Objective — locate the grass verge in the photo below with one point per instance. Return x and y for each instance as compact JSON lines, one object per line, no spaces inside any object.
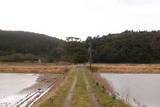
{"x":80,"y":98}
{"x":104,"y":99}
{"x":58,"y":99}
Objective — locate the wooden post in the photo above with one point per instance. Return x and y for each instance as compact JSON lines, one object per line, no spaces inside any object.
{"x":90,"y":55}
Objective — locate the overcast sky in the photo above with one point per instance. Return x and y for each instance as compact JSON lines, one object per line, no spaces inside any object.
{"x":80,"y":18}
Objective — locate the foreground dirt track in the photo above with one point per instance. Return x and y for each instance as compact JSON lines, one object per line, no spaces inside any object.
{"x":38,"y":68}
{"x":128,"y":68}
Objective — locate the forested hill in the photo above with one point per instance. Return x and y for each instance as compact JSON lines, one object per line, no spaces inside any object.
{"x":125,"y":47}
{"x":128,"y":46}
{"x":19,"y":46}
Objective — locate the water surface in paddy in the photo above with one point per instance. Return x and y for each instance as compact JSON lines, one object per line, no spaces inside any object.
{"x":11,"y":84}
{"x":14,"y":82}
{"x":140,"y":90}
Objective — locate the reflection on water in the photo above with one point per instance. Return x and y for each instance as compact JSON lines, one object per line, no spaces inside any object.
{"x":137,"y":89}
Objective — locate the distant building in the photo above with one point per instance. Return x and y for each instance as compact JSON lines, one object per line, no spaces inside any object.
{"x":72,"y":39}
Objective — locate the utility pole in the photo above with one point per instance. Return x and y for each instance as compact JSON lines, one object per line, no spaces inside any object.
{"x":90,"y":55}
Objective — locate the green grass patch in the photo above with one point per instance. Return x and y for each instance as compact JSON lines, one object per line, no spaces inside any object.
{"x":58,"y":99}
{"x":102,"y":97}
{"x":81,"y":97}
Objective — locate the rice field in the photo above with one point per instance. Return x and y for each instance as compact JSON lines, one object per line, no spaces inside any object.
{"x":127,"y":68}
{"x":33,"y":67}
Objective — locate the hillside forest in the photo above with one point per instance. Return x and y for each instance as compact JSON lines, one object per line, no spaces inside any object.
{"x":125,"y":47}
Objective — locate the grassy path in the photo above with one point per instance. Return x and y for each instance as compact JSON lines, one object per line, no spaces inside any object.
{"x":81,"y":90}
{"x":68,"y":100}
{"x":81,"y":96}
{"x":92,"y":97}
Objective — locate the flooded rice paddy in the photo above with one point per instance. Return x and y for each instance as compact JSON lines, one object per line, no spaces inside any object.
{"x":139,"y":90}
{"x":21,"y":89}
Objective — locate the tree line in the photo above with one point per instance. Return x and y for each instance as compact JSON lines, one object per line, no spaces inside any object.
{"x":125,"y":47}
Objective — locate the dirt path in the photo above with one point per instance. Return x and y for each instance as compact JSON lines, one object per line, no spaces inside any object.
{"x":68,"y":100}
{"x":92,"y":97}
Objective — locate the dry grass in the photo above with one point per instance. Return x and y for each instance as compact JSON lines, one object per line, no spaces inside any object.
{"x":128,"y":68}
{"x":33,"y":67}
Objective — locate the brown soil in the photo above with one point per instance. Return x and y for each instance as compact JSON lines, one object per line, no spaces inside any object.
{"x":44,"y":80}
{"x":51,"y":92}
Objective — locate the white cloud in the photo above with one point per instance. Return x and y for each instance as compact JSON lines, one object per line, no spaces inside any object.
{"x":81,"y":18}
{"x":140,"y":2}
